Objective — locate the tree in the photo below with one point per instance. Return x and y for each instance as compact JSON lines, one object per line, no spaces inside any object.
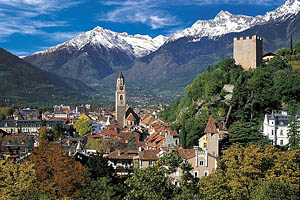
{"x":98,"y":167}
{"x":7,"y":111}
{"x":245,"y":133}
{"x":149,"y":183}
{"x":188,"y":185}
{"x":101,"y":188}
{"x":132,"y":143}
{"x":243,"y":170}
{"x":294,"y":134}
{"x":154,"y":182}
{"x":17,"y":180}
{"x":94,"y":144}
{"x":2,"y":116}
{"x":43,"y":136}
{"x":272,"y":189}
{"x":291,"y":46}
{"x":59,"y":175}
{"x":83,"y":126}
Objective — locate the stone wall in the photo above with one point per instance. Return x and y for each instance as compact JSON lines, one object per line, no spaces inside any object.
{"x":247,"y":52}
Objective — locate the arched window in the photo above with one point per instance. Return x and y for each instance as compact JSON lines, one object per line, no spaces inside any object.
{"x":121,"y":97}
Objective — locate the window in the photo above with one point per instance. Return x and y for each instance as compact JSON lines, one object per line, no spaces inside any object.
{"x":206,"y":173}
{"x":141,"y":164}
{"x":204,"y":145}
{"x":150,"y":162}
{"x":201,"y":163}
{"x":196,"y":174}
{"x":272,"y":132}
{"x":281,"y":142}
{"x":121,"y":97}
{"x":281,"y":132}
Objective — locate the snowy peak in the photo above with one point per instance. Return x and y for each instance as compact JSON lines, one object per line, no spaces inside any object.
{"x":137,"y":45}
{"x":291,"y":7}
{"x":225,"y":22}
{"x":223,"y":15}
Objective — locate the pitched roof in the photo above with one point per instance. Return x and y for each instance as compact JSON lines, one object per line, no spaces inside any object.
{"x":123,"y":154}
{"x":149,"y":154}
{"x":17,"y":140}
{"x":186,"y":153}
{"x":211,"y":126}
{"x":130,"y":117}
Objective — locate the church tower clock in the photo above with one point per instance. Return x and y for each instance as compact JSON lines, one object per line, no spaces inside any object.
{"x":120,"y":100}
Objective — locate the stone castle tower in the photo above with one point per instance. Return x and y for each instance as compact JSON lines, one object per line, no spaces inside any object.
{"x":247,"y":52}
{"x":120,"y":100}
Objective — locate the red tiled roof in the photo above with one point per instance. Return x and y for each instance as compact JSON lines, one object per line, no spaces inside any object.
{"x":149,"y":154}
{"x":186,"y":153}
{"x":123,"y":154}
{"x":211,"y":126}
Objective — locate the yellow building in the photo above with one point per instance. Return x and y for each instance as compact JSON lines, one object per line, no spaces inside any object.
{"x":203,"y":142}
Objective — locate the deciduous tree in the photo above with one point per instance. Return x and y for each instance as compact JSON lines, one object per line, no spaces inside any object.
{"x":17,"y":180}
{"x":83,"y":126}
{"x":58,"y":175}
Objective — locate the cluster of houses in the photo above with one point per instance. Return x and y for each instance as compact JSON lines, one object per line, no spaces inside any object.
{"x":127,"y":137}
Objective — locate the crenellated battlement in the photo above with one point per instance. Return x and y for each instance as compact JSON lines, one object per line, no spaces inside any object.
{"x":253,"y":37}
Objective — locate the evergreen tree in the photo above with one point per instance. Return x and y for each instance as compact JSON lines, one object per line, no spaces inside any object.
{"x":291,"y":46}
{"x":294,"y":134}
{"x":245,"y":133}
{"x":98,"y":167}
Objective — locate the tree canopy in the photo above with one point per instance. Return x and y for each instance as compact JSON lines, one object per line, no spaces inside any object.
{"x":83,"y":126}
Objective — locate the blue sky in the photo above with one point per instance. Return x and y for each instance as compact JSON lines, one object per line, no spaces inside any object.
{"x":27,"y":26}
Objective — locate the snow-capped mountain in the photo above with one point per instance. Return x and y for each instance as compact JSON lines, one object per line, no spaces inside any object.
{"x":99,"y":54}
{"x":226,"y":22}
{"x":137,"y":45}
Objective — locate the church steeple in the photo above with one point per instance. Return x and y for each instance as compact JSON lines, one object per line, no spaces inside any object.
{"x":120,"y":99}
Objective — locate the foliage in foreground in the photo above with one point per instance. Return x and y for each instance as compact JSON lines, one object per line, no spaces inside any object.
{"x":254,"y":172}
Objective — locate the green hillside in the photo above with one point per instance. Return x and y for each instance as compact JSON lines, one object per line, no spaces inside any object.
{"x":274,"y":86}
{"x":23,"y":82}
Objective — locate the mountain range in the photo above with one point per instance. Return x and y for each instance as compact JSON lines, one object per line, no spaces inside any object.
{"x":22,"y":82}
{"x":161,"y":63}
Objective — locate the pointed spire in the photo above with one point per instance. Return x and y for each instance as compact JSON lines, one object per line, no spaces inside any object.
{"x":272,"y":115}
{"x":211,"y":126}
{"x":121,"y":75}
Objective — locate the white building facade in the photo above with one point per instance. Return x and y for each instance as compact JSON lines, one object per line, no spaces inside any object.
{"x":275,"y":128}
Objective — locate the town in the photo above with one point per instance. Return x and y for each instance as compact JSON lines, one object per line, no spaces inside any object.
{"x":128,"y":137}
{"x":208,"y":112}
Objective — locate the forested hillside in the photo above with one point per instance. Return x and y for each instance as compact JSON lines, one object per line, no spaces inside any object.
{"x":272,"y":86}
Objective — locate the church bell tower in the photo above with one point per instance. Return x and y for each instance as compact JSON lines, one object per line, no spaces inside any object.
{"x":120,"y":100}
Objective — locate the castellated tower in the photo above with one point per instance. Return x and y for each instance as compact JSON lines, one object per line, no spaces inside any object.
{"x":120,"y":100}
{"x":247,"y":52}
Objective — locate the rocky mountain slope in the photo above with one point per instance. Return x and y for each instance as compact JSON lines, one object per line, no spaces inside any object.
{"x":95,"y":54}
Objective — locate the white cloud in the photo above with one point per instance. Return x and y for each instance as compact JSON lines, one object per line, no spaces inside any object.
{"x":154,"y":13}
{"x":22,"y":16}
{"x":143,"y":11}
{"x":62,"y":36}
